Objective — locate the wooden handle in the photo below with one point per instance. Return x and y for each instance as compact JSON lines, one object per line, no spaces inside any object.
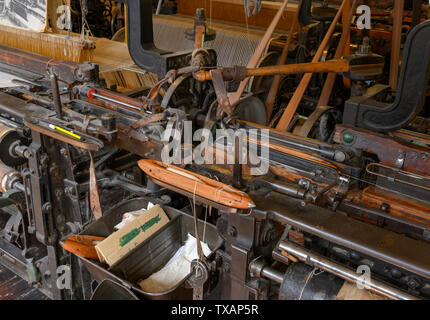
{"x":314,"y":67}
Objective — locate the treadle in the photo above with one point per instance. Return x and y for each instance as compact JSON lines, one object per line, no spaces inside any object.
{"x":393,"y":248}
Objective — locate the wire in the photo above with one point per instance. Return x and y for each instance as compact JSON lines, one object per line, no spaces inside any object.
{"x":204,"y":226}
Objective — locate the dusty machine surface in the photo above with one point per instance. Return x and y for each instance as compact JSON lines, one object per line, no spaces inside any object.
{"x":307,"y":172}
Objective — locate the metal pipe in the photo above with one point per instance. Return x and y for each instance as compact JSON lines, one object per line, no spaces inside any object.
{"x":258,"y":268}
{"x":343,"y":272}
{"x":116,"y":101}
{"x":272,"y":274}
{"x":289,"y":189}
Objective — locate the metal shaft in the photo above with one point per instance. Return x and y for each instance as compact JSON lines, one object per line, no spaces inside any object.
{"x":272,"y":274}
{"x":342,"y":272}
{"x":56,"y":96}
{"x":116,"y":101}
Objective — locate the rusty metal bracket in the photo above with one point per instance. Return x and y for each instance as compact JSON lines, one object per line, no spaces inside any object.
{"x":198,"y":278}
{"x":221,"y":92}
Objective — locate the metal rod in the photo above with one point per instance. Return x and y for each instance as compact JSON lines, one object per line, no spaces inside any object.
{"x":56,"y":96}
{"x":258,"y":268}
{"x":116,"y":101}
{"x":272,"y":274}
{"x":343,"y":272}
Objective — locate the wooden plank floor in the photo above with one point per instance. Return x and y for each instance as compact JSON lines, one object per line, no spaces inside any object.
{"x":13,"y":287}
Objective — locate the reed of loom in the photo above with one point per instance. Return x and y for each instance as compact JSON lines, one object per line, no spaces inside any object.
{"x":59,"y":46}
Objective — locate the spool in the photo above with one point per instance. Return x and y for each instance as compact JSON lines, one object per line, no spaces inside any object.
{"x":8,"y":177}
{"x":8,"y":138}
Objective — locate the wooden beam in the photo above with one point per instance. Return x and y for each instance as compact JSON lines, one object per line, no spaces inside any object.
{"x":233,"y":11}
{"x":396,"y":42}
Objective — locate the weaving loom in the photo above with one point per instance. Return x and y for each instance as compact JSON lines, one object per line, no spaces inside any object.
{"x":234,"y":44}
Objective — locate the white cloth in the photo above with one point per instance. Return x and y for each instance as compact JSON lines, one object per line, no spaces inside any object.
{"x":176,"y":269}
{"x":130,"y":216}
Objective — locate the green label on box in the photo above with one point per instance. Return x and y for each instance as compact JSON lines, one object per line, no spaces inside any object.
{"x":135,"y":232}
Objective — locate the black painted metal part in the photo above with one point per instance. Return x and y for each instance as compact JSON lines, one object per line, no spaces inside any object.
{"x":369,"y":114}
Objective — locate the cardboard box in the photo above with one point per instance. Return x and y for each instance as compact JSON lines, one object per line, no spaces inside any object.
{"x":126,"y":239}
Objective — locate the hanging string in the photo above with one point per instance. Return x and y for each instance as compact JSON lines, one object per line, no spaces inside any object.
{"x":204,"y":226}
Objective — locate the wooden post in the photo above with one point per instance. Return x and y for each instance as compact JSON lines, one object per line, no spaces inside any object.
{"x":397,"y":38}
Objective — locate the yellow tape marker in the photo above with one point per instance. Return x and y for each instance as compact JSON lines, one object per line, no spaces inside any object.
{"x":66,"y":132}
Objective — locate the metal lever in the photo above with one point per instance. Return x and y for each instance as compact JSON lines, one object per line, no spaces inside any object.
{"x":56,"y":96}
{"x":198,"y":278}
